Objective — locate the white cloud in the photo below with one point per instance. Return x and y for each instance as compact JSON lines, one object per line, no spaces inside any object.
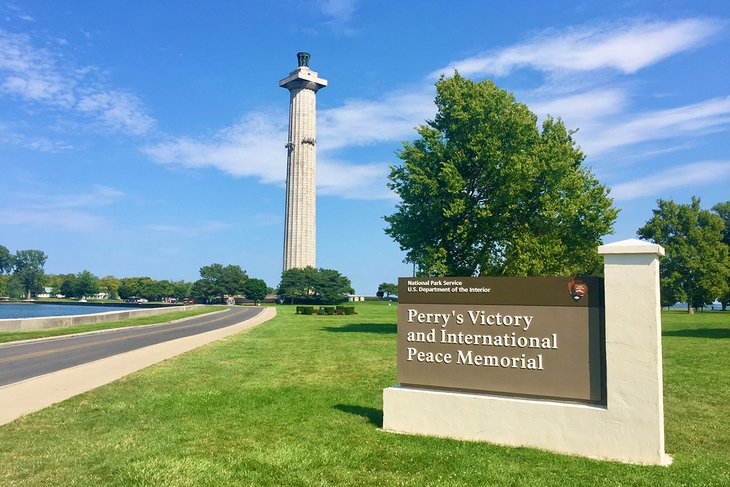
{"x":685,"y":121}
{"x":117,"y":110}
{"x":71,"y":211}
{"x":97,"y":196}
{"x":626,"y":47}
{"x":707,"y":172}
{"x":37,"y":143}
{"x":581,"y":108}
{"x":602,"y":111}
{"x":11,"y":12}
{"x":357,"y":182}
{"x":73,"y":220}
{"x":190,"y":229}
{"x":340,"y":10}
{"x":42,"y":76}
{"x":31,"y":73}
{"x":338,"y":15}
{"x":253,"y":147}
{"x":362,"y":122}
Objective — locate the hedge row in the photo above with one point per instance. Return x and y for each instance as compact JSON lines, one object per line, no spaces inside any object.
{"x":326,"y":310}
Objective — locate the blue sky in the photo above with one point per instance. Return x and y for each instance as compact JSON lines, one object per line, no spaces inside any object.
{"x":147,"y":138}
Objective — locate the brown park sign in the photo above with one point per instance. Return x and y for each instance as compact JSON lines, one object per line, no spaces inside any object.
{"x":524,"y":336}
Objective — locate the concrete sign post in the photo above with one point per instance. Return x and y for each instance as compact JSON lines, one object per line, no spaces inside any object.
{"x":568,"y":365}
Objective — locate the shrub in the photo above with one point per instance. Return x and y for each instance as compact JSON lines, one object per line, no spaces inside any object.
{"x":307,"y":310}
{"x":346,"y":310}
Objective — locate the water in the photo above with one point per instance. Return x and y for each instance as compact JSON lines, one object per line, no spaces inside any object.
{"x":8,"y":311}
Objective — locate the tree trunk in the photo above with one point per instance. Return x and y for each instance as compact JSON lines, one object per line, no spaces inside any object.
{"x":690,"y":311}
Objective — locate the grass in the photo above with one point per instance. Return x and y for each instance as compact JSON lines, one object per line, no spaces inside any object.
{"x":172,"y":315}
{"x":298,"y":401}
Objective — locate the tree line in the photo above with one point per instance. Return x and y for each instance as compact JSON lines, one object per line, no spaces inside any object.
{"x":22,"y":276}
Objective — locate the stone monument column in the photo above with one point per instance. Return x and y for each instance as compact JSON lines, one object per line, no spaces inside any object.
{"x":300,"y":217}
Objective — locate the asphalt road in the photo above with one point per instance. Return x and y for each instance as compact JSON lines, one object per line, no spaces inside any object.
{"x":20,"y":361}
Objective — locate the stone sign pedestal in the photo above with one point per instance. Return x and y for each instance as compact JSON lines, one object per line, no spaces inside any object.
{"x":628,"y":428}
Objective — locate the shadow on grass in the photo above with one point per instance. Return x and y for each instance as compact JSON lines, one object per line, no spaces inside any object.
{"x":374,"y":416}
{"x":381,"y":328}
{"x":699,"y":333}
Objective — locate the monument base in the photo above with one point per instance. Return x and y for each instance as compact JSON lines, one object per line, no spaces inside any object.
{"x":576,"y":429}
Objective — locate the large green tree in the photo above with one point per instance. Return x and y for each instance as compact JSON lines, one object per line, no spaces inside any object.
{"x":85,"y":284}
{"x":54,"y":282}
{"x":255,"y":289}
{"x":154,"y":290}
{"x":484,"y":191}
{"x":723,"y":211}
{"x":110,"y":285}
{"x":696,"y":267}
{"x":6,"y":266}
{"x":333,"y":287}
{"x":298,"y":284}
{"x":132,"y":287}
{"x":29,"y":270}
{"x":387,"y":289}
{"x":6,"y":260}
{"x":204,"y":290}
{"x":221,"y":280}
{"x":68,"y":286}
{"x":4,"y":285}
{"x":312,"y":285}
{"x":14,"y":287}
{"x":181,"y":289}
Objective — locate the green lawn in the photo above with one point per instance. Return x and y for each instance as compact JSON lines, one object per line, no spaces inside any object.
{"x":298,"y":401}
{"x":172,"y":315}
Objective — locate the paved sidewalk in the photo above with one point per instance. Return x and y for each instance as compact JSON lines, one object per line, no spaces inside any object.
{"x":21,"y":398}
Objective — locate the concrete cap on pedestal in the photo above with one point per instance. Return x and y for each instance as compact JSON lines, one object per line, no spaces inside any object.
{"x":631,"y":246}
{"x":303,"y":73}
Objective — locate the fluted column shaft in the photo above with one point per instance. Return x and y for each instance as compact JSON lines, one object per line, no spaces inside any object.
{"x":300,"y":220}
{"x":300,"y":226}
